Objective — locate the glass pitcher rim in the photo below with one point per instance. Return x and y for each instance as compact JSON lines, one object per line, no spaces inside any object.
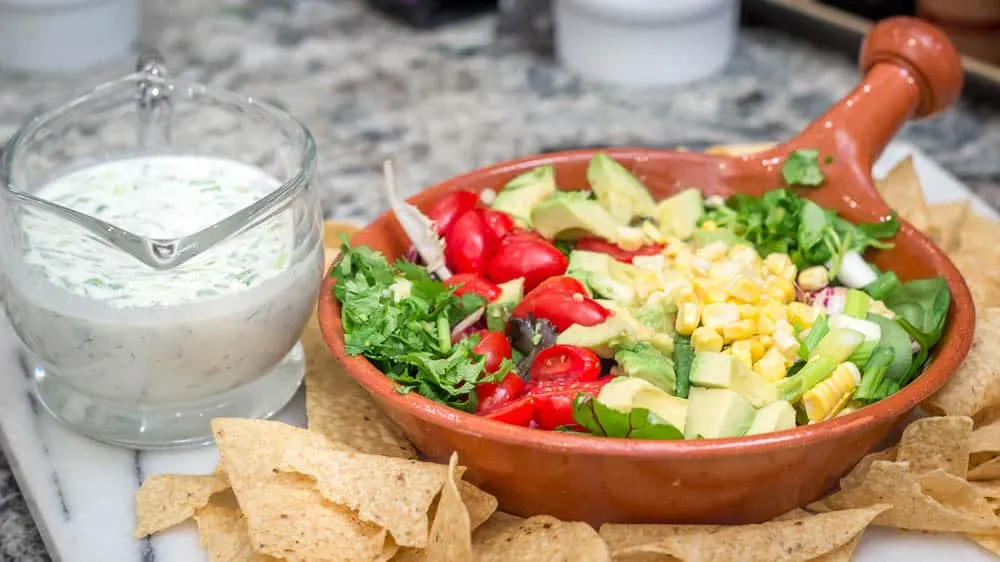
{"x":167,"y":253}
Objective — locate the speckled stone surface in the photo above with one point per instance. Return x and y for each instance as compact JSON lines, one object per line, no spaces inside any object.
{"x":446,"y":101}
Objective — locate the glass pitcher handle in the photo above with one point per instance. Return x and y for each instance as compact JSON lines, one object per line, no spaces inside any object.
{"x":154,"y":107}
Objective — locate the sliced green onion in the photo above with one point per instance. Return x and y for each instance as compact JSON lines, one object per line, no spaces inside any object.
{"x":874,"y":373}
{"x":856,"y":304}
{"x":818,"y":331}
{"x":444,"y":333}
{"x":879,"y":288}
{"x":815,"y":371}
{"x":863,"y":353}
{"x":683,"y":359}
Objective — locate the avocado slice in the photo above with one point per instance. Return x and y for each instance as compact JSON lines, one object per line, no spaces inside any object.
{"x":646,"y":362}
{"x":597,"y":271}
{"x":626,"y":393}
{"x":776,"y":416}
{"x":603,"y":339}
{"x":498,"y":311}
{"x":678,"y":215}
{"x":571,"y":215}
{"x":640,"y":332}
{"x":717,"y":412}
{"x":617,"y":190}
{"x":718,"y":370}
{"x":522,"y":193}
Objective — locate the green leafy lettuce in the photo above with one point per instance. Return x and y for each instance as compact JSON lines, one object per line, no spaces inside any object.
{"x":407,"y":336}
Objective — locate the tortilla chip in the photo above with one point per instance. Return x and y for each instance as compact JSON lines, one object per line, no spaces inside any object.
{"x":165,"y":500}
{"x":983,"y":281}
{"x":341,"y":409}
{"x":395,"y":494}
{"x":976,"y":384}
{"x":989,"y":542}
{"x":931,"y":443}
{"x":985,"y":471}
{"x":223,"y":532}
{"x":451,"y":533}
{"x":540,"y":539}
{"x":946,"y":223}
{"x":902,"y":190}
{"x":860,"y":470}
{"x":498,"y":524}
{"x":739,"y":149}
{"x":987,"y":488}
{"x":285,"y":514}
{"x":792,"y":540}
{"x":480,"y":505}
{"x":933,"y":501}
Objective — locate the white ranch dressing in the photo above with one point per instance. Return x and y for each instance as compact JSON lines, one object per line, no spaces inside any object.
{"x":117,"y":329}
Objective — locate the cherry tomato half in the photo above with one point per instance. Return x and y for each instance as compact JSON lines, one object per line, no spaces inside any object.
{"x":475,"y":284}
{"x":446,"y":210}
{"x":605,"y":247}
{"x":558,"y":284}
{"x":499,"y":222}
{"x":566,"y":362}
{"x":469,"y":244}
{"x":519,"y":412}
{"x":535,"y":260}
{"x":496,"y":395}
{"x":553,"y":400}
{"x":494,"y":346}
{"x":563,"y":310}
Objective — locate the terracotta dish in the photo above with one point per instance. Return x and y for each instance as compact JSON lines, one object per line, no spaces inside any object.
{"x":910,"y":71}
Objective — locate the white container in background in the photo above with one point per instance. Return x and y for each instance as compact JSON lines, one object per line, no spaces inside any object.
{"x":54,"y":36}
{"x":646,"y":42}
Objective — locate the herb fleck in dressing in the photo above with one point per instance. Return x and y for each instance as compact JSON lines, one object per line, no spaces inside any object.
{"x":157,"y":197}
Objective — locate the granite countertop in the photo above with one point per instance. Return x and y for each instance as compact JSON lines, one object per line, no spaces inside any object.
{"x":446,"y":101}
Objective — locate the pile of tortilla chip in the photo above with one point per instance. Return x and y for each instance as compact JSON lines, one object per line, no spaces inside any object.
{"x":349,"y":488}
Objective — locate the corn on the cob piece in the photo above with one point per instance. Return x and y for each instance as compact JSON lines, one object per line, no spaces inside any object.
{"x":828,"y":397}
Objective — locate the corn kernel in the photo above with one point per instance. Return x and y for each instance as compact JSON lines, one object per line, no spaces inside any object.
{"x":780,"y":289}
{"x":786,"y":342}
{"x":814,"y":278}
{"x":714,"y":251}
{"x":757,"y":348}
{"x":687,"y":318}
{"x":773,"y":309}
{"x":801,"y":315}
{"x":771,"y":366}
{"x":765,"y":325}
{"x":789,"y":273}
{"x":718,"y":315}
{"x":672,"y":246}
{"x":706,"y":339}
{"x":745,"y":290}
{"x":709,"y":292}
{"x":629,"y":238}
{"x":700,"y":266}
{"x":740,"y":351}
{"x":821,"y":401}
{"x":653,"y":233}
{"x":683,"y":260}
{"x":709,"y":226}
{"x":776,"y":263}
{"x":745,"y":255}
{"x":685,"y":293}
{"x":739,"y":330}
{"x":766,"y":341}
{"x":749,"y":312}
{"x":724,"y":271}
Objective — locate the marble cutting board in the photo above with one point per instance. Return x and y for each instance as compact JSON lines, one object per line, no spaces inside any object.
{"x":81,"y":493}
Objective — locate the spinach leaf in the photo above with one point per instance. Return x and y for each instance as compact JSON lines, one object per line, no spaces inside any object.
{"x":638,"y":423}
{"x":802,"y":168}
{"x":923,"y":304}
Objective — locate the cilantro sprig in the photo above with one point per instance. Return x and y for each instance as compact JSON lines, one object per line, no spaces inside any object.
{"x":802,"y":168}
{"x":406,"y":334}
{"x":780,"y":221}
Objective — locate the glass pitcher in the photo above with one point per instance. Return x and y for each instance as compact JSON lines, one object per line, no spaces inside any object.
{"x":161,"y":253}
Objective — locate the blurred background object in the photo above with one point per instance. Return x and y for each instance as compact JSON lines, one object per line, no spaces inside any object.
{"x":645,"y":42}
{"x":874,"y":9}
{"x":55,"y":36}
{"x":425,"y":14}
{"x":973,"y":25}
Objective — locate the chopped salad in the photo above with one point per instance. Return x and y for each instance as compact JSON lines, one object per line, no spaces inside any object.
{"x":604,"y":312}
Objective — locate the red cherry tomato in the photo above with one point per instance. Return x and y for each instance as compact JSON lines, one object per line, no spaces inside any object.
{"x":566,"y":362}
{"x":496,"y":395}
{"x":553,"y":400}
{"x":499,"y":222}
{"x":475,"y":284}
{"x":535,"y":260}
{"x":558,"y":284}
{"x":494,"y":346}
{"x":446,"y":210}
{"x":519,"y":412}
{"x":469,"y":244}
{"x":605,"y":247}
{"x":563,"y":310}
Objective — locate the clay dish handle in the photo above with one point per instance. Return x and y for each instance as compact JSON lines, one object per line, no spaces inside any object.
{"x":910,"y":71}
